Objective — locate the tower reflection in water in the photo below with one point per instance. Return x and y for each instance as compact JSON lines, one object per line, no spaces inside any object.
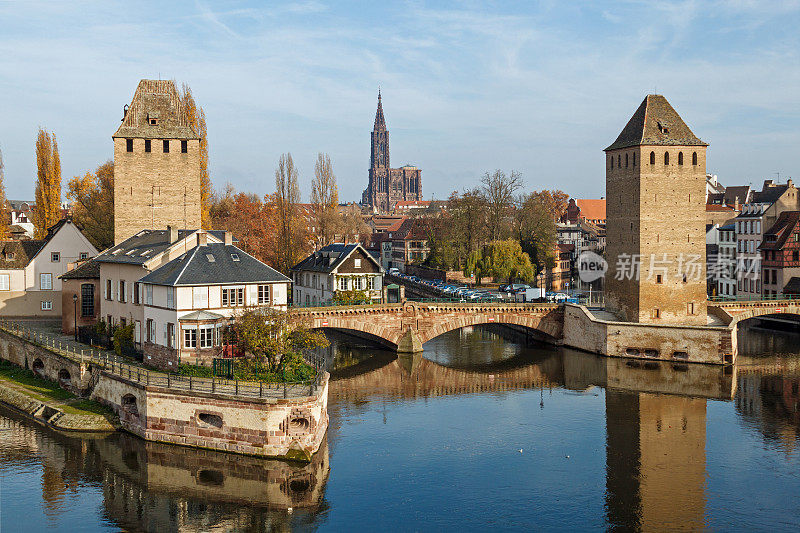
{"x":655,"y":412}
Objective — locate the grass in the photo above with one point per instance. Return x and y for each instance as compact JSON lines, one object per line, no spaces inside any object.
{"x":48,"y":391}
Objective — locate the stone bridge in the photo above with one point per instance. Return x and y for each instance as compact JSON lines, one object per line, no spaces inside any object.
{"x":406,"y":327}
{"x":731,"y":313}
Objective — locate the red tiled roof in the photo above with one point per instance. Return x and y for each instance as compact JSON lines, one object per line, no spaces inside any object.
{"x":718,"y":208}
{"x":781,"y":229}
{"x":592,"y":209}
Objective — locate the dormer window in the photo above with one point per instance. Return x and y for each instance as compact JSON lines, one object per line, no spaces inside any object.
{"x":210,"y":258}
{"x":663,"y":128}
{"x":152,"y":119}
{"x":234,"y":257}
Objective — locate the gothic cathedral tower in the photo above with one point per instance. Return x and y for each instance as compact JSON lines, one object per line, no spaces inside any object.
{"x":156,"y":163}
{"x":655,"y":229}
{"x":387,"y":186}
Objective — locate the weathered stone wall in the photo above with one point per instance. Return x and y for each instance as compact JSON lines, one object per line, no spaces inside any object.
{"x":161,"y":357}
{"x":696,"y":344}
{"x":292,"y":428}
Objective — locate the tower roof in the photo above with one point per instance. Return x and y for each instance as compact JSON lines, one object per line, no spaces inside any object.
{"x":380,"y":123}
{"x":656,"y":123}
{"x":156,"y":112}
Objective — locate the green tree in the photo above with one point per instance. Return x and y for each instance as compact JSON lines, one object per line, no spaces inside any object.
{"x":268,"y":338}
{"x":535,"y":226}
{"x":502,"y":260}
{"x":92,"y":197}
{"x":351,"y":297}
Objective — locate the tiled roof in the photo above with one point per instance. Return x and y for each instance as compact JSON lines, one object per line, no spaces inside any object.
{"x":87,"y":270}
{"x":593,"y":209}
{"x":742,"y":192}
{"x":156,"y":99}
{"x":145,"y":245}
{"x":769,"y":194}
{"x":793,"y":286}
{"x":17,"y":254}
{"x":718,"y":208}
{"x":781,"y":230}
{"x":655,"y":122}
{"x":412,"y":228}
{"x":327,"y":259}
{"x":20,"y":205}
{"x":214,"y":264}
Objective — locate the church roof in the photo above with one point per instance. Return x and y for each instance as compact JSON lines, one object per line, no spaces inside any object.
{"x":380,"y":122}
{"x":156,"y":101}
{"x":656,"y":123}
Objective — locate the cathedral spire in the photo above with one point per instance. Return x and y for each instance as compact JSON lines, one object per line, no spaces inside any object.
{"x":380,"y":123}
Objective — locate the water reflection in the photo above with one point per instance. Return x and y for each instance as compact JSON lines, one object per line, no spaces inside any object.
{"x":651,"y":419}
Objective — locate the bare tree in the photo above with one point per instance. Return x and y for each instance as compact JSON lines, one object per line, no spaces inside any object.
{"x":325,"y":200}
{"x":499,"y":189}
{"x":287,"y":196}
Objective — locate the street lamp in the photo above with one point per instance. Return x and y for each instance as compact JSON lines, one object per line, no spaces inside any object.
{"x":75,"y":315}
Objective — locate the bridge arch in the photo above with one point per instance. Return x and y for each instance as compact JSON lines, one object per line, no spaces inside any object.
{"x":489,"y":317}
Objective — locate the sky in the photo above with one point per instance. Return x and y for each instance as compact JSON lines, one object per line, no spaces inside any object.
{"x":468,"y":87}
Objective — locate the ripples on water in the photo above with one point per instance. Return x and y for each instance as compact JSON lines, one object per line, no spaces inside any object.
{"x":484,"y":430}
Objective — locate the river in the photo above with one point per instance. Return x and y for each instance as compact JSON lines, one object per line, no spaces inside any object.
{"x":484,"y":430}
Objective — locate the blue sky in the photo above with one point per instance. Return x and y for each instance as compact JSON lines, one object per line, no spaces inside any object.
{"x":538,"y":87}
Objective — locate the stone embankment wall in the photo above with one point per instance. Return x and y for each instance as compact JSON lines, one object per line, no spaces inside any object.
{"x":695,"y":344}
{"x":290,"y":428}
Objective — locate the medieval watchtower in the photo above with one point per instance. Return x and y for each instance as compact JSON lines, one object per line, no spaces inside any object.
{"x":156,"y":163}
{"x":655,"y":227}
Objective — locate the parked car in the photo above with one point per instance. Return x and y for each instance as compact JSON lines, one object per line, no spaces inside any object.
{"x":394,"y":271}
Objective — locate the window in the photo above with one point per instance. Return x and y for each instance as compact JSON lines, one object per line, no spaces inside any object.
{"x":47,"y":305}
{"x":190,"y":338}
{"x":170,"y":335}
{"x":55,"y":257}
{"x":357,"y":263}
{"x":690,"y":308}
{"x":666,"y":158}
{"x":206,"y":336}
{"x":659,"y":278}
{"x":129,"y":145}
{"x":46,"y":282}
{"x":634,"y":159}
{"x":795,"y":255}
{"x":694,"y":158}
{"x":263,"y":294}
{"x":370,"y":283}
{"x":122,"y":290}
{"x":171,"y":297}
{"x":108,"y":289}
{"x":200,"y":297}
{"x":656,"y":313}
{"x":680,"y":158}
{"x":83,"y":255}
{"x":234,"y":257}
{"x":357,"y":284}
{"x":626,"y":160}
{"x":165,"y":144}
{"x":652,"y":158}
{"x":136,"y":290}
{"x":612,"y":162}
{"x":233,"y":297}
{"x":87,"y":300}
{"x":147,"y":145}
{"x":5,"y":282}
{"x":148,"y":295}
{"x":342,"y":284}
{"x":151,"y":328}
{"x":619,"y":161}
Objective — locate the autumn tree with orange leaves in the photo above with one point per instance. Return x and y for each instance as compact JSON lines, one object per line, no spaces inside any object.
{"x":92,"y":197}
{"x":197,"y":120}
{"x":48,"y":184}
{"x":4,"y":216}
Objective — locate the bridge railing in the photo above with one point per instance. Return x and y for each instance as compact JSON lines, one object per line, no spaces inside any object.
{"x":752,"y":298}
{"x":118,"y":366}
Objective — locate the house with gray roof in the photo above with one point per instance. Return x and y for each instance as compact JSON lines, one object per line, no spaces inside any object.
{"x":334,"y":268}
{"x":187,"y":301}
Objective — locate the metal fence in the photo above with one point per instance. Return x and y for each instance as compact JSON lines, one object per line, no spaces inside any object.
{"x":118,"y":366}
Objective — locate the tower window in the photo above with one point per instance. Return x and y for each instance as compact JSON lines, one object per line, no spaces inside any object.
{"x":666,"y":158}
{"x":652,"y":158}
{"x":659,"y":279}
{"x":634,"y":159}
{"x":612,"y":161}
{"x":147,"y":145}
{"x":694,"y":158}
{"x":129,"y":145}
{"x":166,"y":146}
{"x":184,"y":147}
{"x":680,"y":158}
{"x":626,"y":160}
{"x":619,"y":161}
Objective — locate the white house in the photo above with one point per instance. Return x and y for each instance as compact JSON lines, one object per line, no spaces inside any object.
{"x":21,"y":224}
{"x":30,"y":270}
{"x":336,"y":267}
{"x":187,"y":301}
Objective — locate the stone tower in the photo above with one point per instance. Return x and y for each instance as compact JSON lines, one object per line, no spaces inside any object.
{"x":387,"y":186}
{"x":156,"y":163}
{"x":655,"y":227}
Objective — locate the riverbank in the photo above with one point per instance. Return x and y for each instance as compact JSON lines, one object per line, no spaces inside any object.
{"x":46,"y":403}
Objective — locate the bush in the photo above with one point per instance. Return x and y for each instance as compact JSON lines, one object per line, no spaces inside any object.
{"x":123,"y":340}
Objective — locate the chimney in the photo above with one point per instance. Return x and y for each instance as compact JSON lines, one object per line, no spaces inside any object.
{"x":172,"y":234}
{"x":736,"y":204}
{"x":789,"y":182}
{"x":202,"y":238}
{"x":228,"y":238}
